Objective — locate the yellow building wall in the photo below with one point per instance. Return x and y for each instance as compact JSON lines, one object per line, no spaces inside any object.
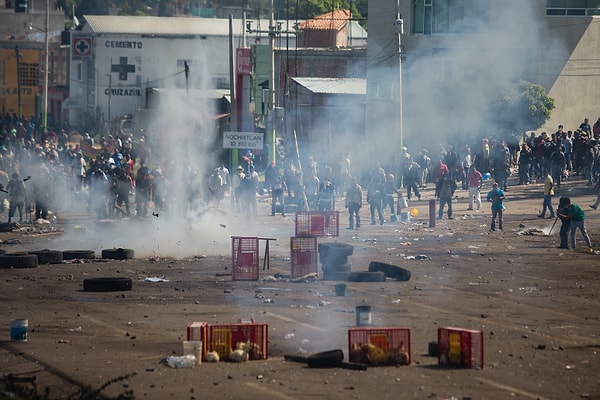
{"x":9,"y":84}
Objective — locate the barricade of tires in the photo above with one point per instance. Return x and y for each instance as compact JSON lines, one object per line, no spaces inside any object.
{"x":334,"y":260}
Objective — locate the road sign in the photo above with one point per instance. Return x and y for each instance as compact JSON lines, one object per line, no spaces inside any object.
{"x":243,"y":140}
{"x":81,"y":46}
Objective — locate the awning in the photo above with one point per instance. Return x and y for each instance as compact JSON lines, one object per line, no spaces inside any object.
{"x":72,"y":102}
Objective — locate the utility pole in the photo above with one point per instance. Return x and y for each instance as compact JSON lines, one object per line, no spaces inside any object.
{"x":271,"y":103}
{"x":399,"y":27}
{"x":45,"y":94}
{"x":18,"y":56}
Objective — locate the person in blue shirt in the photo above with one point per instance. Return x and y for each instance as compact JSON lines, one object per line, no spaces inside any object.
{"x":496,"y":196}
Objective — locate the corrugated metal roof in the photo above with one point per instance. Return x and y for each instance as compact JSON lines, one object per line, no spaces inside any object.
{"x":334,"y":20}
{"x":333,"y":85}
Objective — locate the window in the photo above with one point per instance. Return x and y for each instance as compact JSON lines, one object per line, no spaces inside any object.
{"x":449,"y":16}
{"x":28,"y":74}
{"x":572,"y":7}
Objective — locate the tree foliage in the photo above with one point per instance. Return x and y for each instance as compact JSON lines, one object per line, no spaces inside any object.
{"x":522,"y":107}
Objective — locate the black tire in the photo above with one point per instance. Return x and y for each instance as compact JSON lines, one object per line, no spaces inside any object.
{"x":332,"y":258}
{"x":335,"y":276}
{"x":118,"y":254}
{"x":365,"y":276}
{"x":8,"y":226}
{"x":18,"y":260}
{"x":335,"y":247}
{"x":48,"y":256}
{"x":79,"y":254}
{"x":390,"y":271}
{"x":326,"y":359}
{"x":347,"y":267}
{"x":107,"y":284}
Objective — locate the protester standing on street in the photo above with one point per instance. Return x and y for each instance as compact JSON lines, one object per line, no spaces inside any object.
{"x":277,"y":190}
{"x":474,"y":180}
{"x":16,"y":190}
{"x":548,"y":193}
{"x":444,"y":190}
{"x":496,"y":196}
{"x":353,"y":202}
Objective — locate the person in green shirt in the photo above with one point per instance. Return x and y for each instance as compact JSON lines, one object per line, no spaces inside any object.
{"x":577,"y":217}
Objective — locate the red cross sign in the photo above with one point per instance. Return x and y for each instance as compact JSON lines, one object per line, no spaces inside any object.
{"x":81,"y":46}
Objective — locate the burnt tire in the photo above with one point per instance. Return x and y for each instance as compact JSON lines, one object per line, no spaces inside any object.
{"x":326,"y":359}
{"x":118,"y":284}
{"x":79,"y":254}
{"x":18,"y":260}
{"x":346,"y":267}
{"x":335,"y":276}
{"x":335,"y":249}
{"x":366,"y":276}
{"x":48,"y":256}
{"x":118,"y":254}
{"x":390,"y":271}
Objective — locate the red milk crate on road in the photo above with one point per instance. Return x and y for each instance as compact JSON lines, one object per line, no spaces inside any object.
{"x":379,"y":346}
{"x":303,"y":258}
{"x":460,"y":347}
{"x":244,"y":258}
{"x":224,"y":338}
{"x":196,"y":331}
{"x":317,"y":223}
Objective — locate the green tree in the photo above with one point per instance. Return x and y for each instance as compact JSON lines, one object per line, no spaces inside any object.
{"x":523,"y":107}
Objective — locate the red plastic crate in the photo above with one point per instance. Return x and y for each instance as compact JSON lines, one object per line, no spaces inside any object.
{"x":379,"y":346}
{"x":460,"y":347}
{"x":303,"y":257}
{"x":224,"y":338}
{"x":317,"y":223}
{"x":196,"y":331}
{"x":244,"y":258}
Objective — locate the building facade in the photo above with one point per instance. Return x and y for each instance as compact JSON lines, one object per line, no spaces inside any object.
{"x":115,"y":59}
{"x":22,"y":61}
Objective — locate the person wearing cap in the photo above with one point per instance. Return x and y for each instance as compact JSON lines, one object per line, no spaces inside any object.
{"x":215,"y":188}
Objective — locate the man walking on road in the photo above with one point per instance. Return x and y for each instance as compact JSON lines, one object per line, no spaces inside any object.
{"x":548,"y":193}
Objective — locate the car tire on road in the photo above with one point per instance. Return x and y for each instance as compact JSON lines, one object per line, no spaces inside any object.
{"x":390,"y":271}
{"x":118,"y":254}
{"x":79,"y":254}
{"x":366,"y":276}
{"x":18,"y":260}
{"x":115,"y":284}
{"x":48,"y":256}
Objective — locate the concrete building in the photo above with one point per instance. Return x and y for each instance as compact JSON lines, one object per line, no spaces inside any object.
{"x":115,"y":59}
{"x":22,"y":61}
{"x":457,"y":54}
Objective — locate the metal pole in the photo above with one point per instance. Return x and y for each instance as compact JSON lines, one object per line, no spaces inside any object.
{"x":45,"y":94}
{"x":18,"y":55}
{"x":271,"y":104}
{"x":399,"y":23}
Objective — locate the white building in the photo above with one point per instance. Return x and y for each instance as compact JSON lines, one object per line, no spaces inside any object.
{"x":115,"y":59}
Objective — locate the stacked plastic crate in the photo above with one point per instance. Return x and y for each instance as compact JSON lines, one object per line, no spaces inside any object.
{"x":303,"y":247}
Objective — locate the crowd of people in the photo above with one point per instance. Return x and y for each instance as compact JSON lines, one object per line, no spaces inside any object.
{"x":122,"y":178}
